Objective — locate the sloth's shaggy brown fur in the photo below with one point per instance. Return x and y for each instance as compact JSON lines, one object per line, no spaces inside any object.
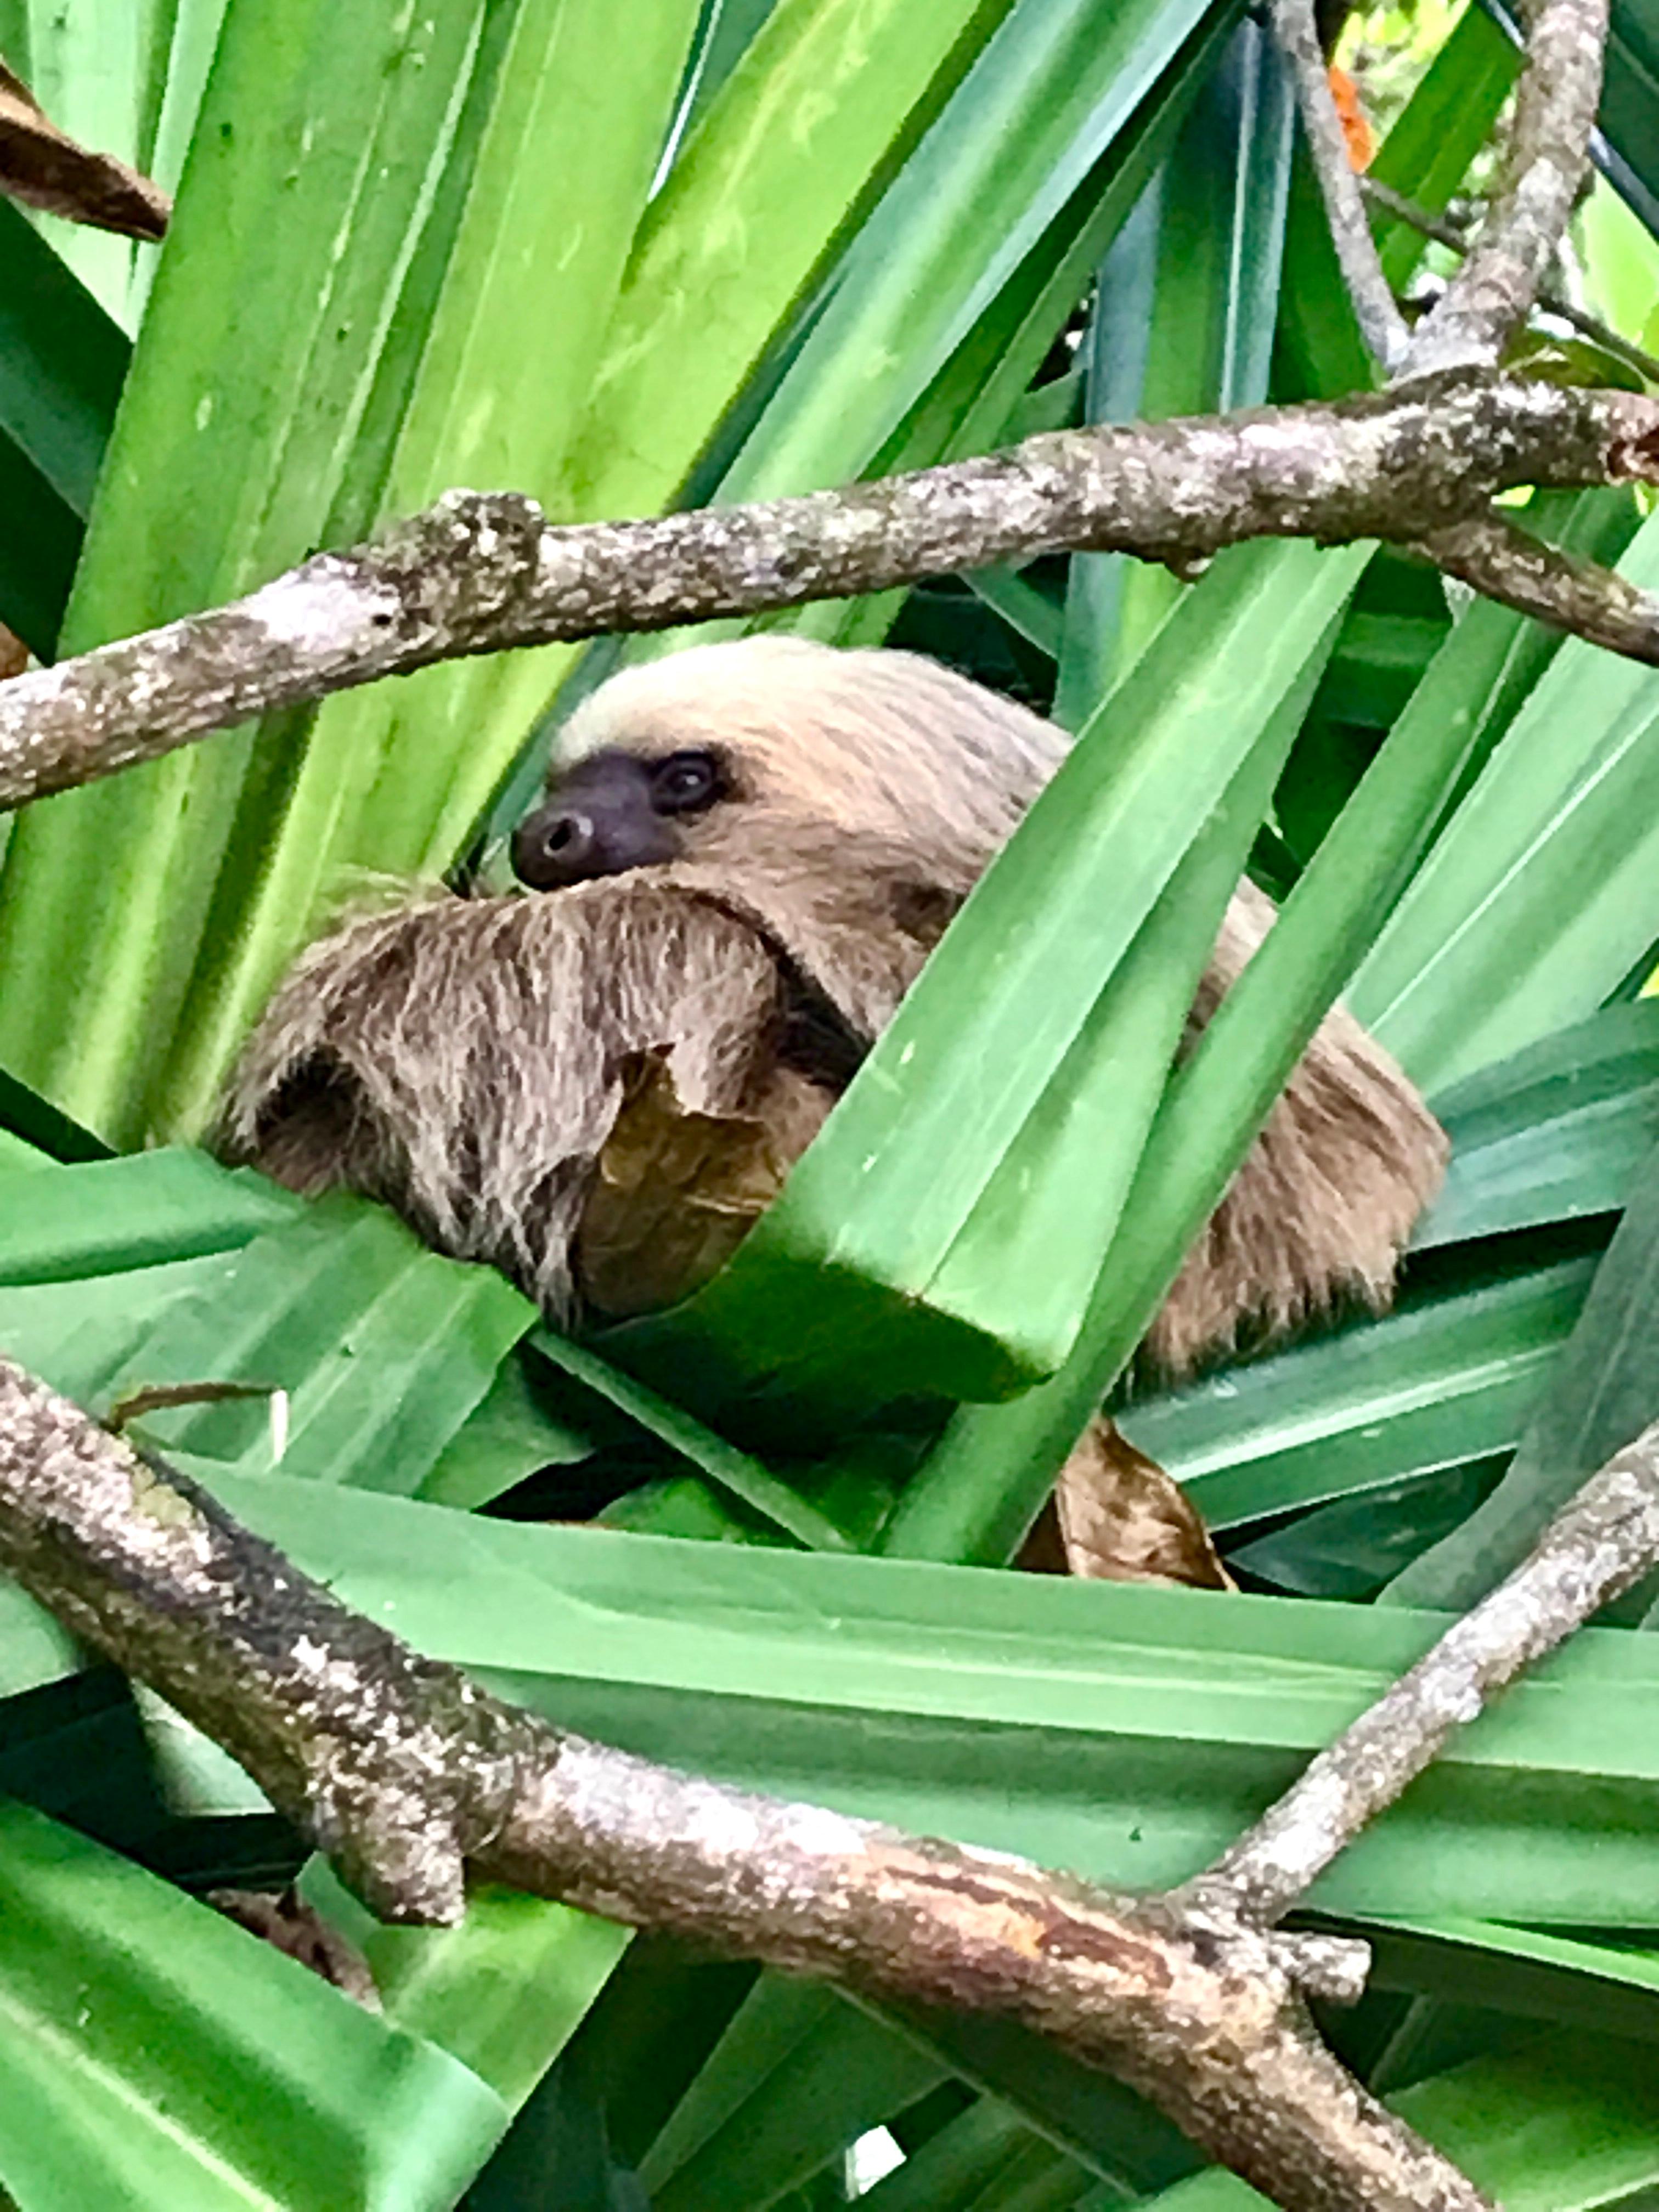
{"x":472,"y":1061}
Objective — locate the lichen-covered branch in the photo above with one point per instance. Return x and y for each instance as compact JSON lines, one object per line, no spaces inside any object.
{"x":1489,"y":298}
{"x":481,"y":572}
{"x":1380,"y":323}
{"x":1606,"y":1538}
{"x":1508,"y":563}
{"x":1455,"y":236}
{"x":411,"y":1777}
{"x":1545,"y":163}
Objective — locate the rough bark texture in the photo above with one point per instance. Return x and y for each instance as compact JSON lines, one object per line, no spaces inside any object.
{"x":1559,"y":588}
{"x":483,"y":571}
{"x":1380,"y":323}
{"x":411,"y":1778}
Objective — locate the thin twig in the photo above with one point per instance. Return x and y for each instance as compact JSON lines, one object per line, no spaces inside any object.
{"x":480,"y":572}
{"x":1550,"y":302}
{"x":1606,"y":1538}
{"x":1380,"y":323}
{"x":1506,"y":562}
{"x":1548,"y":157}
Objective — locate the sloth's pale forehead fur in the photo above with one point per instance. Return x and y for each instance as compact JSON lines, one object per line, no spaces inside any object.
{"x":875,"y":744}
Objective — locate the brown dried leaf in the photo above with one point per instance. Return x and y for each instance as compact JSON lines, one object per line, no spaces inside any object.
{"x":677,"y":1191}
{"x":14,"y":654}
{"x":1120,"y":1518}
{"x":43,"y":167}
{"x":298,"y":1930}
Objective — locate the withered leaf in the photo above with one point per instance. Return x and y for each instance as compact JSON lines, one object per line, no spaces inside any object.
{"x":43,"y":167}
{"x":14,"y":654}
{"x":1121,"y":1518}
{"x":677,"y":1191}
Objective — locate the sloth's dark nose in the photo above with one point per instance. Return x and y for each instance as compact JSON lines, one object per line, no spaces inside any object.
{"x":556,"y":847}
{"x":597,"y":821}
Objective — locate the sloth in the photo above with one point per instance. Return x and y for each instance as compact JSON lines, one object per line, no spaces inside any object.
{"x":745,"y":855}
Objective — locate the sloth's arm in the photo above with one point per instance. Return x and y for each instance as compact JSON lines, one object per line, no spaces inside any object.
{"x":467,"y":1060}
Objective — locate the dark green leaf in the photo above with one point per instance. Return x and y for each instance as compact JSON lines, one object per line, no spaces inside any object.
{"x":1559,"y":1130}
{"x":1603,"y":1392}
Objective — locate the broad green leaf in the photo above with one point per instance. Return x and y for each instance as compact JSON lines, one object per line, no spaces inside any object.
{"x":1350,"y":1548}
{"x":1630,"y":103}
{"x":378,"y":1349}
{"x":509,"y":1434}
{"x":738,"y":1472}
{"x":1572,"y":1984}
{"x":89,"y":64}
{"x":173,"y":97}
{"x":1445,"y":1380}
{"x":72,"y":1745}
{"x":1604,"y":1391}
{"x":240,"y":445}
{"x":516,"y":310}
{"x":982,"y":1486}
{"x":1559,"y":1130}
{"x":659,"y":2017}
{"x":1053,"y":90}
{"x":1444,"y":124}
{"x":503,"y":1992}
{"x":78,"y":1334}
{"x":158,"y":2055}
{"x":1127,"y":1732}
{"x":1621,"y":265}
{"x":1105,"y":2127}
{"x":797,"y":2075}
{"x":978,"y":2151}
{"x":1544,"y":888}
{"x":558,"y":2157}
{"x":146,"y":1211}
{"x":750,"y":213}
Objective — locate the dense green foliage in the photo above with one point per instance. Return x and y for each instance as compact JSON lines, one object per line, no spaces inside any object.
{"x":733,"y":251}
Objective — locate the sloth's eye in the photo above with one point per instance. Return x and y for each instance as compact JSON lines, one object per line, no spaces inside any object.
{"x":685,"y":783}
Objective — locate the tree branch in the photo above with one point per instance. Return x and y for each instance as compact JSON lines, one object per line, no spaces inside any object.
{"x":1455,"y":237}
{"x":1548,"y":157}
{"x":411,"y":1778}
{"x":1381,"y":325}
{"x":1510,"y":564}
{"x":480,"y":572}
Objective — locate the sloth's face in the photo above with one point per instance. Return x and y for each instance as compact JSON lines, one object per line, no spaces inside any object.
{"x":760,"y":755}
{"x":616,"y":810}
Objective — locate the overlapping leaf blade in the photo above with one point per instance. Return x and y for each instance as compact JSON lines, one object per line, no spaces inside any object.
{"x":1068,"y":1722}
{"x":1544,"y":889}
{"x":158,"y":2055}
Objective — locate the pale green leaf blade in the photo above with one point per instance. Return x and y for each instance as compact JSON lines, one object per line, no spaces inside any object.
{"x":160,"y":2055}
